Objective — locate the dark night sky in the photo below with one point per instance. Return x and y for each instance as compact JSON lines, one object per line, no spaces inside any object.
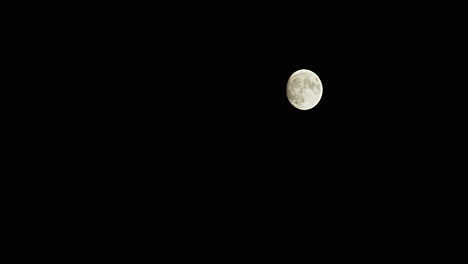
{"x":172,"y":108}
{"x":197,"y":81}
{"x":226,"y":87}
{"x":193,"y":100}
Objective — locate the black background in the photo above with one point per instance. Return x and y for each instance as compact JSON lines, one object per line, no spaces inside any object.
{"x":193,"y":112}
{"x":214,"y":86}
{"x":220,"y":78}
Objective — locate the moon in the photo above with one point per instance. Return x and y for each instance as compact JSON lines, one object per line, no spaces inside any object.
{"x":304,"y":89}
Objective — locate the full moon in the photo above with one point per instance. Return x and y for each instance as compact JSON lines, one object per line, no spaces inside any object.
{"x":304,"y":89}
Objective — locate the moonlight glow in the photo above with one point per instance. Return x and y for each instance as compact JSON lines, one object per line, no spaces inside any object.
{"x":304,"y":89}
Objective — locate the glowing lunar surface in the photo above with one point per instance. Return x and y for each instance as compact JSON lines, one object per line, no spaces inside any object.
{"x":304,"y":89}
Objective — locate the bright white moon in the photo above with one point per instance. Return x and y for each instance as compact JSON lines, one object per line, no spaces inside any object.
{"x":304,"y":89}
